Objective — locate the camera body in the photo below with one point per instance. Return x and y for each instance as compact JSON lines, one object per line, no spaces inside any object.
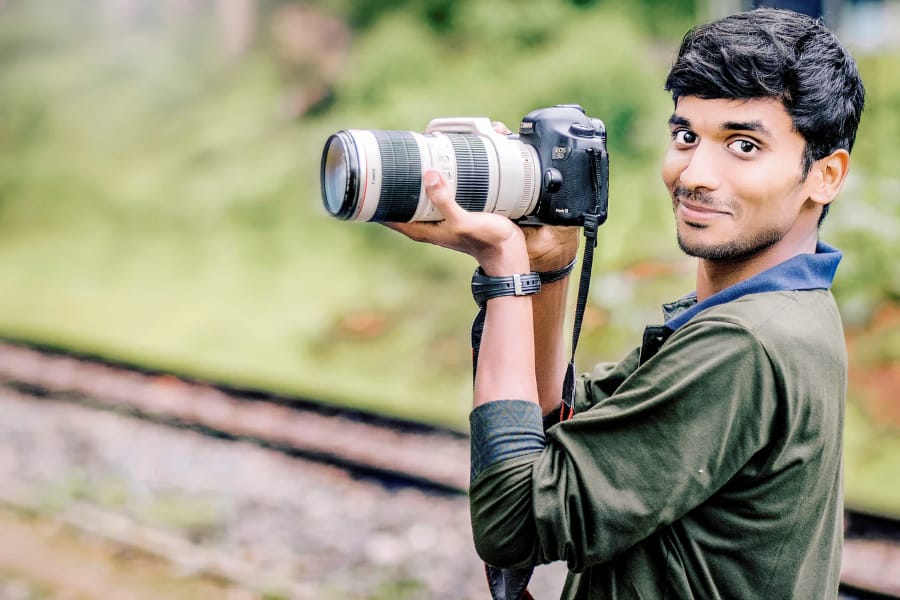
{"x":554,"y":171}
{"x":562,"y":135}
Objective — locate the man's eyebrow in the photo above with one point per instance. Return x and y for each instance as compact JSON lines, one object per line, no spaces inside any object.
{"x":756,"y":126}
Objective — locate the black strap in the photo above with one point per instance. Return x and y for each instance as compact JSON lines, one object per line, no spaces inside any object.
{"x":592,"y":222}
{"x":477,"y":330}
{"x":502,"y":582}
{"x":485,"y":287}
{"x":509,"y":584}
{"x":556,"y":275}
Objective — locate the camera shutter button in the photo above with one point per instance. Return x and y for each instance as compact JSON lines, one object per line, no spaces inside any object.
{"x":582,"y":130}
{"x":552,"y":180}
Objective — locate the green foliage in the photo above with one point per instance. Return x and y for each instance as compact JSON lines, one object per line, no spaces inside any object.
{"x":866,"y":218}
{"x":398,"y":590}
{"x":156,"y":204}
{"x":402,"y":73}
{"x":528,"y":21}
{"x":871,"y":464}
{"x":197,"y":517}
{"x":160,"y":209}
{"x":81,"y":487}
{"x":878,"y":140}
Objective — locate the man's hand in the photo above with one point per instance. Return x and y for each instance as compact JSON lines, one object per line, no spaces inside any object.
{"x":508,"y":366}
{"x":493,"y":240}
{"x":549,"y":247}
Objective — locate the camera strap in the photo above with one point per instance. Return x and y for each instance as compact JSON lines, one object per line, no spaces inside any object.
{"x":592,"y":222}
{"x":511,"y":584}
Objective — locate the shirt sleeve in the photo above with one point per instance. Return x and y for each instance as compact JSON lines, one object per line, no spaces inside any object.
{"x":603,"y":381}
{"x":504,"y":429}
{"x":597,"y":385}
{"x":672,"y":433}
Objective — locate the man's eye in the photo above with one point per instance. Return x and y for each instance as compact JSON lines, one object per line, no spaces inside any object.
{"x":684,"y":136}
{"x":743,"y":146}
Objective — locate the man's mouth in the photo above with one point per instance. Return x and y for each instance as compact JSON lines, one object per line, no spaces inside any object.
{"x":703,"y":208}
{"x":693,"y":211}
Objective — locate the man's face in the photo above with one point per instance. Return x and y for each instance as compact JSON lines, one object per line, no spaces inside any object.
{"x":733,"y":169}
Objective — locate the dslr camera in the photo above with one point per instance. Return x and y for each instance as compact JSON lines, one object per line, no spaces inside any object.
{"x":555,"y":171}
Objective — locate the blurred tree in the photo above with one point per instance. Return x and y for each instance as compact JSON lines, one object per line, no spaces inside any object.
{"x":238,"y":22}
{"x":311,"y":46}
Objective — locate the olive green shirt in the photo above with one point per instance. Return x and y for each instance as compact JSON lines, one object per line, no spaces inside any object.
{"x":709,"y":469}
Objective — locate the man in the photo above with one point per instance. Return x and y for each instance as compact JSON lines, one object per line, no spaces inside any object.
{"x":706,"y":464}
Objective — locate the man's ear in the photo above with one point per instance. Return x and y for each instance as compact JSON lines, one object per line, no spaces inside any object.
{"x":828,"y":175}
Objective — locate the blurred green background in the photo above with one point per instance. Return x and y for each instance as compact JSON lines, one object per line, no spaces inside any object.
{"x":159,"y":193}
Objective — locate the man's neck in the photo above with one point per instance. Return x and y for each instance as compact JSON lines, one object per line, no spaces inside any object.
{"x":714,"y":276}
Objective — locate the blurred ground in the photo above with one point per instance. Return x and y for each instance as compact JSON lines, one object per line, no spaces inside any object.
{"x":41,"y":558}
{"x":153,"y":505}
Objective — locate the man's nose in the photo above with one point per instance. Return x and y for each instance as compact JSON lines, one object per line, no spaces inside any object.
{"x":702,"y":170}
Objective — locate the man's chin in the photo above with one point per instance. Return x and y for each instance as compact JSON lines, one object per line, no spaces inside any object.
{"x":693,"y":250}
{"x":694,"y":239}
{"x":708,"y":249}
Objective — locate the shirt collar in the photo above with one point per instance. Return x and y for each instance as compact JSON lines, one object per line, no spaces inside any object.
{"x":801,"y":272}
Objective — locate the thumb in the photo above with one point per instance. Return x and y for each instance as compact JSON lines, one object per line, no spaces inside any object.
{"x":440,"y":194}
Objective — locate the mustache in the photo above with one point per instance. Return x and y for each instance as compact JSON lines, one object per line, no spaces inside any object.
{"x":683,"y":193}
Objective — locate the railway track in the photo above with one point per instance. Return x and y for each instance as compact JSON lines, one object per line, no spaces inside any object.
{"x":871,"y":561}
{"x":393,"y":451}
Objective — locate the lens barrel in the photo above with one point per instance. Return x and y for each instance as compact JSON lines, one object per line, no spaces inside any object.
{"x":372,"y":175}
{"x":376,"y":175}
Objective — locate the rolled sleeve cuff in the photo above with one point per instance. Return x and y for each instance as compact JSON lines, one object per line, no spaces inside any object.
{"x":502,"y":430}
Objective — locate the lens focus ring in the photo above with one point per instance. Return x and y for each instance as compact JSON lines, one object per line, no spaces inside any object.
{"x":472,"y":171}
{"x":401,"y":166}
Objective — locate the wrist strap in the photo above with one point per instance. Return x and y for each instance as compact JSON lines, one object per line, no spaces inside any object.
{"x":556,"y":275}
{"x":485,"y":287}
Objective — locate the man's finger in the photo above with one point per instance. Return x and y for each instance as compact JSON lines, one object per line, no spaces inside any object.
{"x":500,"y":127}
{"x":439,"y":193}
{"x":418,"y":231}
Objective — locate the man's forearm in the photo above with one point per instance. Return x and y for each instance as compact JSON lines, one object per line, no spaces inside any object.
{"x":506,"y":358}
{"x":548,"y":316}
{"x":505,"y":369}
{"x":550,"y":249}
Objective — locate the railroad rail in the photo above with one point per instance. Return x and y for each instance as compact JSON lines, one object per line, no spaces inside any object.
{"x":392,"y":450}
{"x":871,"y":560}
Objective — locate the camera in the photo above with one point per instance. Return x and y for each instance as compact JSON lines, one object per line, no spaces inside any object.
{"x":555,"y":171}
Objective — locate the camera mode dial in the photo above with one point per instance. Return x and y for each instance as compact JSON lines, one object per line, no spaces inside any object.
{"x":582,"y":130}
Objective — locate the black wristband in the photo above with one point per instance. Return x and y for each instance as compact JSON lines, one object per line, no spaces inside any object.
{"x":485,"y":287}
{"x":556,"y":275}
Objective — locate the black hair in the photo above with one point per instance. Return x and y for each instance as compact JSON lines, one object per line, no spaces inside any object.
{"x":772,"y":53}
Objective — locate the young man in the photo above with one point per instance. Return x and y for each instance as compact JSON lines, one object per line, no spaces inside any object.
{"x":706,"y":464}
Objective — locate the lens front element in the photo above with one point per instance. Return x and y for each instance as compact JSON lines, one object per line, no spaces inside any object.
{"x":340,"y":176}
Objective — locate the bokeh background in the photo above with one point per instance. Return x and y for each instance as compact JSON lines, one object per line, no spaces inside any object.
{"x":160,"y":205}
